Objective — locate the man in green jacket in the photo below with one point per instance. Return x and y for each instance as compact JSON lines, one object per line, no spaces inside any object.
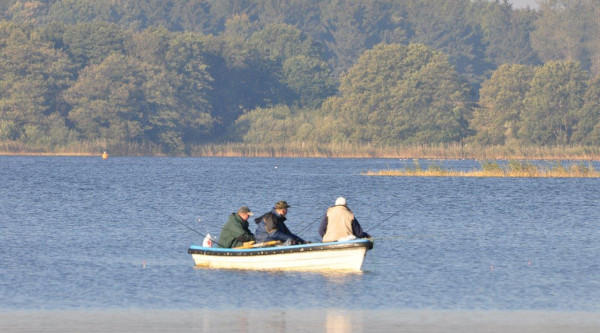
{"x":235,"y":231}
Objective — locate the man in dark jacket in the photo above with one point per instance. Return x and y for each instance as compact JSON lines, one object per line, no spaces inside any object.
{"x":271,"y":226}
{"x":236,"y":230}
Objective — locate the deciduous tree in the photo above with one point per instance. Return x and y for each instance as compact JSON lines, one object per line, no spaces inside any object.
{"x":500,"y":105}
{"x":552,"y":103}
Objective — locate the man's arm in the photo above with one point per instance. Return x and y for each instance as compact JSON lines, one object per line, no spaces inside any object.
{"x":323,"y":226}
{"x":357,"y":230}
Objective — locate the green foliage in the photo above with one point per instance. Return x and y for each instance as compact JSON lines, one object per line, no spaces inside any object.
{"x":587,"y":127}
{"x":131,"y":100}
{"x":352,"y":27}
{"x":560,"y":30}
{"x":551,"y":104}
{"x":273,"y":125}
{"x":491,"y":167}
{"x":24,"y":11}
{"x":148,"y":73}
{"x":506,"y":32}
{"x":444,"y":25}
{"x":398,"y":94}
{"x":278,"y":42}
{"x":435,"y":168}
{"x":32,"y":77}
{"x":90,"y":43}
{"x":515,"y":166}
{"x":415,"y":167}
{"x":582,"y":169}
{"x":309,"y":79}
{"x":8,"y":130}
{"x":495,"y":122}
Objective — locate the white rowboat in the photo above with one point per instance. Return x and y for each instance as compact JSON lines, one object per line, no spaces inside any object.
{"x":344,"y":255}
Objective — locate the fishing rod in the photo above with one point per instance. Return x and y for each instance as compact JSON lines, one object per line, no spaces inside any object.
{"x":401,"y":237}
{"x":389,"y":217}
{"x":308,"y":225}
{"x":185,"y":225}
{"x":373,"y":227}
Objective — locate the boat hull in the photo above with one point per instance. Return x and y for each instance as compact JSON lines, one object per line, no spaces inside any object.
{"x":347,"y":256}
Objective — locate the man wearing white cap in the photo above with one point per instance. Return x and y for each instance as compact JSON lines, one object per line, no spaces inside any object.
{"x":339,"y":223}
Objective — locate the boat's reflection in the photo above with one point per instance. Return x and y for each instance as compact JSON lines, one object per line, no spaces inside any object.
{"x":279,"y":321}
{"x":338,"y":322}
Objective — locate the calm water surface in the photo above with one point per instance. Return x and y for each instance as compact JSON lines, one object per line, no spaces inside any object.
{"x":89,"y":234}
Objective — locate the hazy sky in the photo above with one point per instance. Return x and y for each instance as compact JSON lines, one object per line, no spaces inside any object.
{"x":523,"y":3}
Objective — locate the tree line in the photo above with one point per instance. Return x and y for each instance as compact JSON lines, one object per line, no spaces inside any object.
{"x":173,"y":74}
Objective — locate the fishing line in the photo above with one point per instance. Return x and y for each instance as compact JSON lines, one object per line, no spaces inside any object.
{"x":311,"y":223}
{"x":183,"y":224}
{"x":373,"y":227}
{"x":404,"y":237}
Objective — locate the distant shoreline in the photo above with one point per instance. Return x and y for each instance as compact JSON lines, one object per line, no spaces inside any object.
{"x":342,"y":156}
{"x":301,"y":150}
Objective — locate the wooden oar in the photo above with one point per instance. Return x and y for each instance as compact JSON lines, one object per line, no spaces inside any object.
{"x":251,"y":244}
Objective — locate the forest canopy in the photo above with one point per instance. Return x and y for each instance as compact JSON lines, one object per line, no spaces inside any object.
{"x":170,"y":75}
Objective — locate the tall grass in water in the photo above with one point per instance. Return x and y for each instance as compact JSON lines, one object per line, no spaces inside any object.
{"x":440,"y":151}
{"x":514,"y":168}
{"x":311,"y":149}
{"x":82,"y":148}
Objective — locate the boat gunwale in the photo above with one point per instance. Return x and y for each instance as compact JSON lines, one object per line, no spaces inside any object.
{"x":261,"y":251}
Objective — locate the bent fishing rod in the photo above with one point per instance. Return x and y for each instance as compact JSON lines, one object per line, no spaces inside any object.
{"x":185,"y":225}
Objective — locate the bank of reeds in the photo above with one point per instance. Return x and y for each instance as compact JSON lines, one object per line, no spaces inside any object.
{"x":513,"y":169}
{"x":300,"y":149}
{"x":83,"y":148}
{"x":442,"y":152}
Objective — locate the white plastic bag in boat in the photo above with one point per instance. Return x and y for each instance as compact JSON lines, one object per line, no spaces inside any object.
{"x":207,"y":242}
{"x":347,"y":238}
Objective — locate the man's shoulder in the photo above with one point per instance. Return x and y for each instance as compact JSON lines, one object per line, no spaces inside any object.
{"x":233,"y":218}
{"x":339,"y":208}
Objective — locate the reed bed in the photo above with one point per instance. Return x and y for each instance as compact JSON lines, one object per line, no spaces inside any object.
{"x":83,"y":148}
{"x":304,"y":149}
{"x":441,"y":152}
{"x":512,"y":169}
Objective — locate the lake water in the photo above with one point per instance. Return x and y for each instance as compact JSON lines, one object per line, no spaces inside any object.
{"x":81,"y":234}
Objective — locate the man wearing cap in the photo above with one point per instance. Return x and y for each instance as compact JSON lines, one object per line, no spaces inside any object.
{"x":339,"y":223}
{"x":271,"y":226}
{"x":236,"y":230}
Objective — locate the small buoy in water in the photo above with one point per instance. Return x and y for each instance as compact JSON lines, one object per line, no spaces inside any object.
{"x":144,"y":264}
{"x":104,"y":155}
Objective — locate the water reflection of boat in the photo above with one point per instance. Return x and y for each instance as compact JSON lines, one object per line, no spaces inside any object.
{"x":345,"y":255}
